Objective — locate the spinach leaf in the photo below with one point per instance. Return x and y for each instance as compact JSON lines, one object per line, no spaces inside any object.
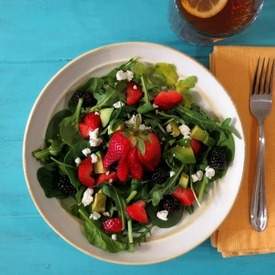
{"x":48,"y":176}
{"x":120,"y":203}
{"x":159,"y":190}
{"x":75,"y":151}
{"x":98,"y":238}
{"x":173,"y":217}
{"x":52,"y":132}
{"x":68,"y":128}
{"x":70,"y":205}
{"x":105,"y":98}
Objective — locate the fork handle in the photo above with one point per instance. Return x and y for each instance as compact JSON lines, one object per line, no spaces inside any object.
{"x":258,"y":210}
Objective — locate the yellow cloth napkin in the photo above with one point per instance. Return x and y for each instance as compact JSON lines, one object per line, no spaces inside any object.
{"x":234,"y":68}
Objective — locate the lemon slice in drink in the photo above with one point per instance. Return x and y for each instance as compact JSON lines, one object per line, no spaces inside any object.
{"x":203,"y":8}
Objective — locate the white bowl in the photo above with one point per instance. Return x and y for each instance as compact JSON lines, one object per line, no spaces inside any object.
{"x":165,"y":243}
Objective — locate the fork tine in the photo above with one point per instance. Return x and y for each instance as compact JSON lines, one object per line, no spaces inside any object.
{"x":261,"y":78}
{"x":271,"y":78}
{"x":266,"y":78}
{"x":255,"y":77}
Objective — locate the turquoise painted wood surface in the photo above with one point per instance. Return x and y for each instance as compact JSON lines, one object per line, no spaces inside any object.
{"x":37,"y":37}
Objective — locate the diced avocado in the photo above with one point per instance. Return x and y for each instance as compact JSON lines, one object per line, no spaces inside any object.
{"x":184,"y":179}
{"x":105,"y":115}
{"x":98,"y":166}
{"x":99,"y":202}
{"x":201,"y":135}
{"x":184,"y":154}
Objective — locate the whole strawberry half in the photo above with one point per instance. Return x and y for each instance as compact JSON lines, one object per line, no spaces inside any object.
{"x":90,"y":122}
{"x":106,"y":178}
{"x":136,"y":211}
{"x":112,"y":225}
{"x":184,"y":195}
{"x":118,"y":148}
{"x":135,"y":166}
{"x":166,"y":100}
{"x":133,"y":93}
{"x":151,"y":156}
{"x":84,"y":172}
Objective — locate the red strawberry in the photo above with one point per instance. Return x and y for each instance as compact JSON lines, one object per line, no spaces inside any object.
{"x":84,"y":172}
{"x":122,"y":170}
{"x":133,"y":93}
{"x":152,"y":155}
{"x":196,"y":146}
{"x":166,"y":100}
{"x":103,"y":178}
{"x":184,"y":195}
{"x":112,"y":225}
{"x":89,"y":123}
{"x":134,"y":165}
{"x":119,"y":146}
{"x":137,"y":212}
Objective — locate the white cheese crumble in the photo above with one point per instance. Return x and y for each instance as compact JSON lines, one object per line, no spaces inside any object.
{"x":172,"y":173}
{"x":143,"y":127}
{"x":114,"y":237}
{"x":168,"y":128}
{"x":118,"y":104}
{"x":185,"y":131}
{"x":77,"y":161}
{"x":155,"y":106}
{"x":121,"y":75}
{"x":106,"y":214}
{"x":209,"y":172}
{"x":86,"y":151}
{"x":162,"y":215}
{"x":132,"y":121}
{"x":95,"y":216}
{"x":94,"y":158}
{"x":197,"y":176}
{"x":87,"y":198}
{"x":94,"y":139}
{"x":97,"y":113}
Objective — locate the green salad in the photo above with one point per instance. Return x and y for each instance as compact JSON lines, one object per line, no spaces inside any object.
{"x":133,"y":150}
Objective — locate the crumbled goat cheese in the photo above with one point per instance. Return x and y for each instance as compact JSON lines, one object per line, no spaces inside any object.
{"x":172,"y":173}
{"x":95,"y":216}
{"x":121,"y":75}
{"x":94,"y":158}
{"x":87,"y":198}
{"x":94,"y":139}
{"x":162,"y":215}
{"x":86,"y":151}
{"x":114,"y":237}
{"x":106,"y":214}
{"x":209,"y":172}
{"x":185,"y":131}
{"x":77,"y":161}
{"x":118,"y":104}
{"x":197,"y":176}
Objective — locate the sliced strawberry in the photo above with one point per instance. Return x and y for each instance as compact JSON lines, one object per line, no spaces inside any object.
{"x":184,"y":195}
{"x":196,"y":145}
{"x":137,"y":212}
{"x":104,"y":178}
{"x":133,"y":93}
{"x":166,"y":100}
{"x":84,"y":172}
{"x":122,"y":170}
{"x":136,"y":169}
{"x":90,"y":122}
{"x":112,"y":225}
{"x":152,"y":155}
{"x":119,"y":146}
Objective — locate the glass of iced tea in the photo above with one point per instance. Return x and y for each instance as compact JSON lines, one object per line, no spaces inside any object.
{"x":208,"y":21}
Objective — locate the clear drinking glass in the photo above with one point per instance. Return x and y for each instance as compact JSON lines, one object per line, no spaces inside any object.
{"x":233,"y":18}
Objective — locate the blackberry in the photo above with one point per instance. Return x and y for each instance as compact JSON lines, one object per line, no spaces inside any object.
{"x":88,"y":99}
{"x":217,"y":158}
{"x":65,"y":186}
{"x":169,"y":203}
{"x":160,"y":175}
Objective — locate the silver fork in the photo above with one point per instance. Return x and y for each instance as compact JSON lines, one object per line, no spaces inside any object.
{"x":260,"y":107}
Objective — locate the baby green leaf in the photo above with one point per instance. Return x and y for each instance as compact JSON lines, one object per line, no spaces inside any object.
{"x":169,"y":71}
{"x":186,"y":84}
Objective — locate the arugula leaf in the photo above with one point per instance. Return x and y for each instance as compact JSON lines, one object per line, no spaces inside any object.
{"x":98,"y":238}
{"x":120,"y":203}
{"x":47,"y":176}
{"x":68,"y":128}
{"x":169,"y":71}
